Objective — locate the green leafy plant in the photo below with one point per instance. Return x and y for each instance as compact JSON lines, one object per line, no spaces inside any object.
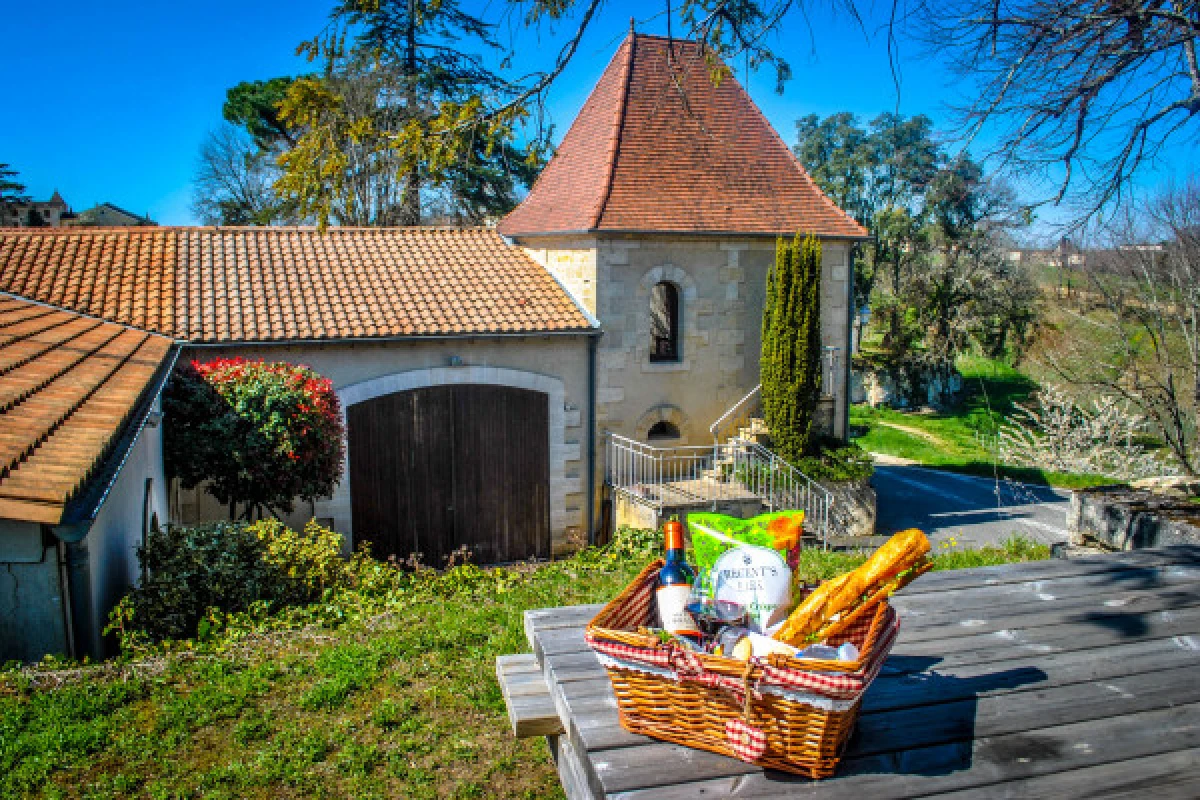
{"x":254,"y":433}
{"x":791,"y":346}
{"x":836,"y":461}
{"x":196,"y":576}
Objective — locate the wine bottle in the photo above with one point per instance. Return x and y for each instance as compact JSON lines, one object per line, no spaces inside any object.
{"x":675,"y":581}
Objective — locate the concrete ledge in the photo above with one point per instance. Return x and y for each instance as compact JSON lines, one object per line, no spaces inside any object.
{"x":1128,"y":519}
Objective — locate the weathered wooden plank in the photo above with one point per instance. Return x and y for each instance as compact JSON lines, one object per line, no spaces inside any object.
{"x":899,"y":686}
{"x":531,"y":710}
{"x":586,"y":701}
{"x":1051,"y":568}
{"x":513,"y":663}
{"x":1163,"y":776}
{"x":558,"y":641}
{"x":1076,"y":612}
{"x":995,"y":715}
{"x":570,"y":768}
{"x":533,"y":715}
{"x":948,"y":707}
{"x":565,"y":617}
{"x":569,"y":667}
{"x":1103,"y":631}
{"x":997,"y":640}
{"x":592,"y":710}
{"x":1050,"y":590}
{"x":987,"y":761}
{"x":1079,"y":663}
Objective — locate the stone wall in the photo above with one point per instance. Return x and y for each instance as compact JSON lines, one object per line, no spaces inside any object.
{"x":1128,"y":519}
{"x":913,"y":384}
{"x":722,"y":286}
{"x":853,"y":507}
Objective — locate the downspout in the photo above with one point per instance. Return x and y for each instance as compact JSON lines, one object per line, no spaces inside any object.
{"x":851,"y":312}
{"x":591,"y":440}
{"x":79,"y":587}
{"x":64,"y":579}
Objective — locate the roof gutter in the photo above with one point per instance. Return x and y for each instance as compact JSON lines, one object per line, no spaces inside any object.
{"x":427,"y":337}
{"x":81,"y":512}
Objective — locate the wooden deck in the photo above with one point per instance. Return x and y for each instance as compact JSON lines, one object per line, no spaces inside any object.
{"x":1063,"y":678}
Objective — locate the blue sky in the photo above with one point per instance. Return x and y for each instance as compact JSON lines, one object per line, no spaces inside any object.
{"x":110,"y":101}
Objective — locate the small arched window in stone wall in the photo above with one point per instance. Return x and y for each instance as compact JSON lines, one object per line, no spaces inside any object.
{"x":662,"y":430}
{"x":664,"y":322}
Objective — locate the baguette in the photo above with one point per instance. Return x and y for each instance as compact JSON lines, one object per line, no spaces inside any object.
{"x":840,"y":595}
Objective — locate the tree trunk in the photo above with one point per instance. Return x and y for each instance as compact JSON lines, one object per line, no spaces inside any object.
{"x":410,"y":211}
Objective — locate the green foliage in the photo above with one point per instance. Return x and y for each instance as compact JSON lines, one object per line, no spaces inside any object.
{"x":399,"y":107}
{"x":960,"y":439}
{"x":791,"y":346}
{"x":194,"y":576}
{"x":11,"y":189}
{"x":819,"y":565}
{"x":254,"y":105}
{"x":835,"y":461}
{"x":933,"y":271}
{"x":254,"y":433}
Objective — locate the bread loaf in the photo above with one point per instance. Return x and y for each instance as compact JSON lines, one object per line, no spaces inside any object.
{"x":841,"y":594}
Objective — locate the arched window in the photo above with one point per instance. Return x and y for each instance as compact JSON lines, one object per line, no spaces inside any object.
{"x":662,"y":430}
{"x":664,"y":322}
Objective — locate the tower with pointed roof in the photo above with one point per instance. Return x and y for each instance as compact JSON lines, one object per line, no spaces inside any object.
{"x":660,"y":212}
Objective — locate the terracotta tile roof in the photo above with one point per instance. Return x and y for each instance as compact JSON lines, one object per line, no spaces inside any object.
{"x":657,"y":147}
{"x":68,"y":386}
{"x":272,"y":284}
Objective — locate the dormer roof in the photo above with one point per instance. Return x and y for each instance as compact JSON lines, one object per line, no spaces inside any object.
{"x":658,"y":147}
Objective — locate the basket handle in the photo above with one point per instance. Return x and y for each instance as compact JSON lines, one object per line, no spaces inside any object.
{"x":747,"y":692}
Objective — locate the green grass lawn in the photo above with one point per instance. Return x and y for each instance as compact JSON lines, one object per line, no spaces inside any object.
{"x":403,"y":704}
{"x":957,"y":439}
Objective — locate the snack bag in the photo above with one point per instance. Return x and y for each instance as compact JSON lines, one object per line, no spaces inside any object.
{"x":779,"y":530}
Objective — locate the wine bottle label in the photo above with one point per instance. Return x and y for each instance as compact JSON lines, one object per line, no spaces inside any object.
{"x":672,"y":609}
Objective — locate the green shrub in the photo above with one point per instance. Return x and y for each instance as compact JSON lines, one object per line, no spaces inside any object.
{"x":791,"y":346}
{"x":229,"y":567}
{"x":837,"y":461}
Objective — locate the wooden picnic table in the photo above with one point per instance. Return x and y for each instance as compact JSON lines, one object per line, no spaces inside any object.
{"x":1060,"y":678}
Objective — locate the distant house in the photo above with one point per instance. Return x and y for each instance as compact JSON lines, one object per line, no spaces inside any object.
{"x":35,"y":213}
{"x":108,"y":215}
{"x":482,"y":370}
{"x":81,"y":479}
{"x":55,"y":213}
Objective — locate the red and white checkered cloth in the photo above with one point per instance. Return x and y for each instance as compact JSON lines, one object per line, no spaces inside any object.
{"x":745,"y":741}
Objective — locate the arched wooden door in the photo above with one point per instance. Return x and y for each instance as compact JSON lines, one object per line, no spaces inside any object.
{"x":443,"y":467}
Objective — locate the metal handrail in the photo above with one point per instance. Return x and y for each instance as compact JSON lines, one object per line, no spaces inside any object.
{"x":735,"y":412}
{"x":691,"y":475}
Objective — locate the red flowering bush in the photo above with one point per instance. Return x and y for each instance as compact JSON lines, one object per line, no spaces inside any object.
{"x":257,"y":434}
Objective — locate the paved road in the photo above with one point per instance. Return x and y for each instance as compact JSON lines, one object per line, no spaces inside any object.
{"x":975,"y":511}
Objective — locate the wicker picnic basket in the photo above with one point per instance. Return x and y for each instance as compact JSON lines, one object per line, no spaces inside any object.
{"x":779,"y":712}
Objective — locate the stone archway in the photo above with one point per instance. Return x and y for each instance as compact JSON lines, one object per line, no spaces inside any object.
{"x":663,"y":413}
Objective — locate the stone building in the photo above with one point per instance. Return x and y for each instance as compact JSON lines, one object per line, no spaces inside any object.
{"x":660,"y":213}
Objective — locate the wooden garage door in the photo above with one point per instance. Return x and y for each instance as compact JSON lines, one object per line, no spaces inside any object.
{"x":435,"y":469}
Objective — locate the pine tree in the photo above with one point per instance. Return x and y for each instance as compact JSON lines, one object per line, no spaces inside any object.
{"x":791,"y":346}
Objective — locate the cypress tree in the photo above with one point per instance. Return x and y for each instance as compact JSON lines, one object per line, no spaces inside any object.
{"x":791,"y":346}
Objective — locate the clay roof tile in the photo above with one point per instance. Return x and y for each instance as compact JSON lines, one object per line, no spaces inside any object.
{"x":658,"y":147}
